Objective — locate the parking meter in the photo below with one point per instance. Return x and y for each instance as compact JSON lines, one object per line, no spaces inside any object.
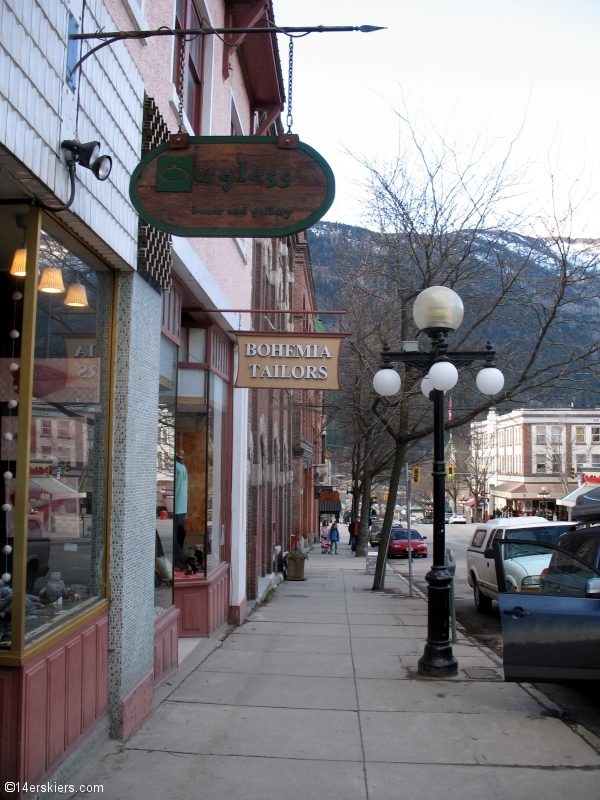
{"x":450,"y":561}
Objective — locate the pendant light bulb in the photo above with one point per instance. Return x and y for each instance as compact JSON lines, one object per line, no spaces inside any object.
{"x":76,"y":296}
{"x":51,"y":281}
{"x":18,"y":266}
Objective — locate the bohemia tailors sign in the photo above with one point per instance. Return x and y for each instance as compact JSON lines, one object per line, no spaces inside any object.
{"x":239,"y":186}
{"x":288,"y":361}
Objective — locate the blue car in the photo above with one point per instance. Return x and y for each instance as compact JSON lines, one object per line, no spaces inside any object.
{"x":553,"y":633}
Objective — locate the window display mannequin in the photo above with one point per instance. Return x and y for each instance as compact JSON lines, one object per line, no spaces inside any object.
{"x":180,"y":508}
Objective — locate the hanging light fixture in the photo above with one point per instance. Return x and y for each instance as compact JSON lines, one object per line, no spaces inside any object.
{"x":19,"y":262}
{"x":51,"y":281}
{"x":76,"y":296}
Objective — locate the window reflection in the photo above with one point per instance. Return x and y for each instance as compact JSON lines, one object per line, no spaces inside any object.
{"x":165,"y":476}
{"x":68,"y":457}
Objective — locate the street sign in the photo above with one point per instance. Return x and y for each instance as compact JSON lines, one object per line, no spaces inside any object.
{"x":280,"y":360}
{"x":371,"y":562}
{"x":242,"y":186}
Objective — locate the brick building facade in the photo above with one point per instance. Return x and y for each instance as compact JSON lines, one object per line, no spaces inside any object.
{"x":284,"y":424}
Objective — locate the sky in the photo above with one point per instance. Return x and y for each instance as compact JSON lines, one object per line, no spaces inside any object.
{"x":499,"y":69}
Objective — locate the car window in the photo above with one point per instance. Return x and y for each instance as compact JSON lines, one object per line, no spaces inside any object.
{"x":396,"y":535}
{"x":493,"y":535}
{"x":551,"y":572}
{"x":478,"y":537}
{"x":565,"y":576}
{"x":585,"y":547}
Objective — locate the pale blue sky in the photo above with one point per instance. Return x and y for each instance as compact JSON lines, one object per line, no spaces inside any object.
{"x":471,"y":66}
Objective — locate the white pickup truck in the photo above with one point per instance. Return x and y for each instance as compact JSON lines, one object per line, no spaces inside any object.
{"x":522,"y":570}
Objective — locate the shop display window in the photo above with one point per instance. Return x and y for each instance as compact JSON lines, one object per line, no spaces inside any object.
{"x":165,"y":476}
{"x":69,"y":448}
{"x":200,"y":460}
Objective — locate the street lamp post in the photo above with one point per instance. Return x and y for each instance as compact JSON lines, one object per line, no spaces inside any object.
{"x":437,"y":311}
{"x":544,"y":494}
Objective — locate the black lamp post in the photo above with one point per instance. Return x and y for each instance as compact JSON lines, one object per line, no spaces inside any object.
{"x":544,"y":494}
{"x":437,"y":311}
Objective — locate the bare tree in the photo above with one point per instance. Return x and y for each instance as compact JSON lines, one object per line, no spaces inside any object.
{"x":435,"y":219}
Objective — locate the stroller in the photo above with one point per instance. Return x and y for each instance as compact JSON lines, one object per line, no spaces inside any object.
{"x":325,"y":544}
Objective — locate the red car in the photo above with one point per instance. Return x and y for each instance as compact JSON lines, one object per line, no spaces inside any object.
{"x":399,"y":544}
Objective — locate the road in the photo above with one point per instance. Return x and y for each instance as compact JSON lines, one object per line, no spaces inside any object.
{"x":580,"y":700}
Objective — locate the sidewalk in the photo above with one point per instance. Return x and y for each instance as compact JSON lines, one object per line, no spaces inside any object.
{"x":317,"y":696}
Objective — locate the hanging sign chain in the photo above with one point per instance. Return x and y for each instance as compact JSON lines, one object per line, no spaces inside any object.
{"x":290,"y":119}
{"x":181,"y":81}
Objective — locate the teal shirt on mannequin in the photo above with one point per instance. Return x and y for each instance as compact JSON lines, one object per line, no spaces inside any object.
{"x":181,"y":488}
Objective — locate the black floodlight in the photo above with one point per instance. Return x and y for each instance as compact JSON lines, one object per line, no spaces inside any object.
{"x":88,"y":155}
{"x":102,"y":167}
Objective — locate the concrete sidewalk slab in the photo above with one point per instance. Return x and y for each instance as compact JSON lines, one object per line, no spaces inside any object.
{"x":502,"y":739}
{"x":251,"y":689}
{"x":466,"y":697}
{"x":314,"y":665}
{"x":247,"y":731}
{"x":272,"y":712}
{"x":290,"y":644}
{"x":407,"y":781}
{"x":330,"y":630}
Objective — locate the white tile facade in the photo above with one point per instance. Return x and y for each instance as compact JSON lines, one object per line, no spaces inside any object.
{"x":38,"y":110}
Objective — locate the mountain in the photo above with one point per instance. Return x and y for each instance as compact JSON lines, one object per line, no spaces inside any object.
{"x":524,"y":270}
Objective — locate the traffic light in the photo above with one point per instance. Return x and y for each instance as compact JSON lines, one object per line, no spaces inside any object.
{"x":415,"y":475}
{"x":450,"y":472}
{"x":573,"y":472}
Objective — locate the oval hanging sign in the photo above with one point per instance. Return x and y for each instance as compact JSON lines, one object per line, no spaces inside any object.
{"x":233,"y":186}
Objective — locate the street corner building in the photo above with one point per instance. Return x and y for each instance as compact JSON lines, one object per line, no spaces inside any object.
{"x":146,"y":498}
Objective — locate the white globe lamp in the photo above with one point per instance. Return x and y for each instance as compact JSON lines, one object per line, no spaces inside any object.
{"x":443,"y":376}
{"x":426,"y":386}
{"x":490,"y":380}
{"x":438,"y":308}
{"x":386,"y":382}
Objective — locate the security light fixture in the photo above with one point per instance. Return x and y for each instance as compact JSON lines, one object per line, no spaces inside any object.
{"x":88,"y":155}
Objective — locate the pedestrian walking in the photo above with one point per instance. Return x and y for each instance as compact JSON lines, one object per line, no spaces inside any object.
{"x":324,"y":536}
{"x":334,"y":537}
{"x":354,"y":527}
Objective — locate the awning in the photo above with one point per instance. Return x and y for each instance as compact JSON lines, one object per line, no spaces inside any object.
{"x":329,"y":507}
{"x":529,"y":491}
{"x":55,"y":488}
{"x":469,"y":502}
{"x":570,"y":498}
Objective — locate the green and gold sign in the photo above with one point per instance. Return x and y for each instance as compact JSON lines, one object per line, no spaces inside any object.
{"x":233,"y":186}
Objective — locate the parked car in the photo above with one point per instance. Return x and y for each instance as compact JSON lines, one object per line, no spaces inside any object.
{"x":375,"y":533}
{"x":584,"y":543}
{"x":398,"y":546}
{"x":553,"y":634}
{"x":427,"y":521}
{"x":458,"y":519}
{"x":523,"y":572}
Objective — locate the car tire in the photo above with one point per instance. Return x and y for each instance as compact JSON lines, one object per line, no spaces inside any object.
{"x":483,"y":603}
{"x":32,"y":569}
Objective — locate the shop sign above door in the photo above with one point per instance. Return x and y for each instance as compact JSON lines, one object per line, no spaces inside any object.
{"x":277,"y":360}
{"x":263,"y":186}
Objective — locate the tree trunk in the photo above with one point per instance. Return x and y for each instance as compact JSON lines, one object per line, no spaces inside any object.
{"x":365,"y":508}
{"x":384,"y":537}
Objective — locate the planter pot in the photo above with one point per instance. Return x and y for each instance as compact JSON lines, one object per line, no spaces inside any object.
{"x":295,"y":570}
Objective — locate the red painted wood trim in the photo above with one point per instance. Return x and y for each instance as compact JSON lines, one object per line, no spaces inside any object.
{"x":50,"y":704}
{"x":203,"y":602}
{"x":166,"y":658}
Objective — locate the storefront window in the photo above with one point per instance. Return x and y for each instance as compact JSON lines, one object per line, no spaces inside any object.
{"x":191,"y":544}
{"x":65,"y":572}
{"x":216,"y":472}
{"x":200,"y":461}
{"x":165,"y":475}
